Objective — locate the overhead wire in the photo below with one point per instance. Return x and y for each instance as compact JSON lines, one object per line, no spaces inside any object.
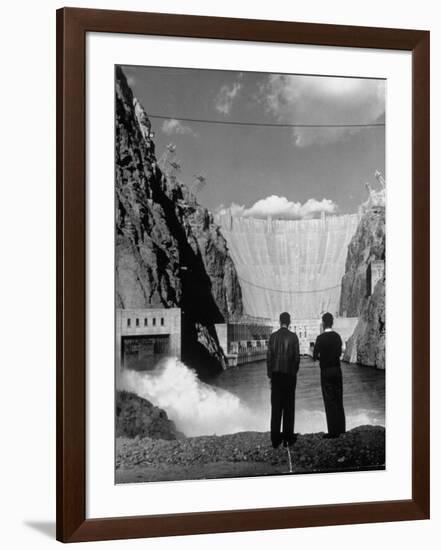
{"x":269,"y":124}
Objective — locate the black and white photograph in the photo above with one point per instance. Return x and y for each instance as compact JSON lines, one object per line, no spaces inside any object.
{"x":250,"y":274}
{"x":220,"y":268}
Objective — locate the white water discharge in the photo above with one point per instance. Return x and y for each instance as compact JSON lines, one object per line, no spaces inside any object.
{"x":195,"y":407}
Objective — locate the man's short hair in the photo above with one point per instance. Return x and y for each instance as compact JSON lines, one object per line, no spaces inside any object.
{"x":285,"y":318}
{"x":327,"y":320}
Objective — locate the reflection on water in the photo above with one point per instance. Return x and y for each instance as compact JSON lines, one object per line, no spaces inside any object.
{"x":363,"y":394}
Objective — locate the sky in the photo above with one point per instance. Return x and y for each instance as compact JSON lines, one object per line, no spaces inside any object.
{"x":284,"y":172}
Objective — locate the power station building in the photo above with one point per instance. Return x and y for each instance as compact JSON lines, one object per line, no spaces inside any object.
{"x":245,"y":340}
{"x":144,"y":336}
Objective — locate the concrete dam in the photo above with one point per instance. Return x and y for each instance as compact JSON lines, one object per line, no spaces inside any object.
{"x":289,"y":265}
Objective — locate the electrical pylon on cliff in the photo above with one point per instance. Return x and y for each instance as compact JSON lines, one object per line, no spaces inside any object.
{"x":199,"y":183}
{"x":380,"y":178}
{"x":377,"y":198}
{"x":168,"y":162}
{"x":167,"y":155}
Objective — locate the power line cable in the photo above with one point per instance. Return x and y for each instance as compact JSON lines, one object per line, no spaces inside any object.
{"x":269,"y":124}
{"x":288,"y":291}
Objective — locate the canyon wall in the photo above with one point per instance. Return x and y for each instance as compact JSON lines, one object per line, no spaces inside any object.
{"x":367,"y":344}
{"x":366,"y":246}
{"x":169,"y":252}
{"x":289,"y":265}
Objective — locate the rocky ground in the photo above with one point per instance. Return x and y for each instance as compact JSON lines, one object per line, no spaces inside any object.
{"x":246,"y":454}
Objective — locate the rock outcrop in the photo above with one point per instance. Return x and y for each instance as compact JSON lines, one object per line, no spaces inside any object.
{"x":367,"y":344}
{"x":137,"y":417}
{"x":169,"y":251}
{"x":368,"y":244}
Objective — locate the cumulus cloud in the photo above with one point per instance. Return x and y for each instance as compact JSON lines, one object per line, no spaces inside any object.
{"x":174,"y":126}
{"x":281,"y":208}
{"x":323,"y":100}
{"x":225,"y":98}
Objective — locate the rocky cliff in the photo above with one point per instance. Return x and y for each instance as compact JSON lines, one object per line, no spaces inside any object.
{"x":367,"y":245}
{"x":367,"y":344}
{"x":137,"y":417}
{"x":169,"y":252}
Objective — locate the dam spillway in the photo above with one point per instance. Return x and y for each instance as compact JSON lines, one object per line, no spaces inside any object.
{"x":289,"y":265}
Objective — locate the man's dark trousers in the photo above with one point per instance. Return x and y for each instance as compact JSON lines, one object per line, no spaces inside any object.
{"x":332,"y":390}
{"x":283,"y":390}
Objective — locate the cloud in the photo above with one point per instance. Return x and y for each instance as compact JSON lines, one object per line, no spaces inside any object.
{"x":174,"y":126}
{"x":323,"y":100}
{"x":224,"y":99}
{"x":281,"y":208}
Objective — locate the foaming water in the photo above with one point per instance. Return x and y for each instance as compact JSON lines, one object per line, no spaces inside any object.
{"x":196,"y":407}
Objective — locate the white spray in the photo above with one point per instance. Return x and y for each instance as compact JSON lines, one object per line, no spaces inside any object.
{"x":195,"y":407}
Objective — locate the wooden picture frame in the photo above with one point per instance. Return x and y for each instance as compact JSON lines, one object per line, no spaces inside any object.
{"x":72,"y":26}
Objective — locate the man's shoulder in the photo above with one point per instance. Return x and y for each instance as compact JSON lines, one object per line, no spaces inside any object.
{"x":284,"y":333}
{"x":330,"y":334}
{"x":290,"y":335}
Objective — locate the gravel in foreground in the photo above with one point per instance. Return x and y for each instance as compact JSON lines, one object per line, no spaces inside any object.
{"x":246,"y":454}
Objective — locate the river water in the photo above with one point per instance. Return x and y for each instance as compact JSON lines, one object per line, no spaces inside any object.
{"x":363,"y":395}
{"x":238,"y":399}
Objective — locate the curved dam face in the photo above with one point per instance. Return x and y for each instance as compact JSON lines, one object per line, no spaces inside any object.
{"x":289,"y":265}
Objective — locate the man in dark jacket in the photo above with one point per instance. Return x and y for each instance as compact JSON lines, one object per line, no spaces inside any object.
{"x":283,"y":359}
{"x":328,"y":350}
